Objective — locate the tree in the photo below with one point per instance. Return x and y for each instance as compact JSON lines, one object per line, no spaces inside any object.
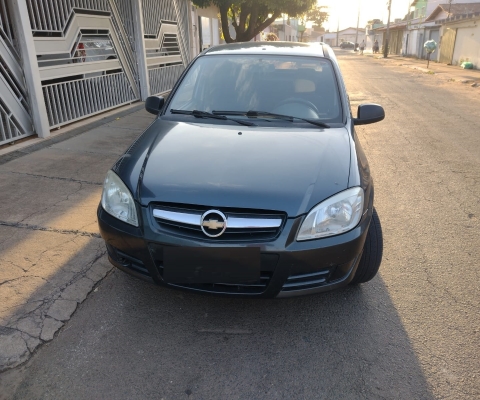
{"x":250,"y":17}
{"x":315,"y":15}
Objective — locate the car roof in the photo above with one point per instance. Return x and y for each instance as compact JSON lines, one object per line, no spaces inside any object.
{"x":276,"y":48}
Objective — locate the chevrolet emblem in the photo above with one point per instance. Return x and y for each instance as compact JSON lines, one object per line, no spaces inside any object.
{"x":213,"y":224}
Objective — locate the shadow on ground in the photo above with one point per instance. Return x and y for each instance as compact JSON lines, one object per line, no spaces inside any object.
{"x":51,"y":254}
{"x":134,"y":340}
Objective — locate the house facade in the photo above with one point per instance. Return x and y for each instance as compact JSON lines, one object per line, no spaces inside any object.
{"x":206,"y":28}
{"x":452,"y":25}
{"x":459,"y":26}
{"x":344,"y":35}
{"x":372,"y":33}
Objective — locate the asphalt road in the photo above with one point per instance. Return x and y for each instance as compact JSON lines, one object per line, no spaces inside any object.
{"x":411,"y":333}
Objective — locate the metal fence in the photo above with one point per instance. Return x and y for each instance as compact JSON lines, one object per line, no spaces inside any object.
{"x":52,"y":15}
{"x":6,"y":29}
{"x":71,"y":101}
{"x":166,"y":37}
{"x":86,"y":57}
{"x":9,"y":129}
{"x":15,"y":120}
{"x":154,"y":12}
{"x":162,"y":79}
{"x":89,"y":66}
{"x":183,"y":22}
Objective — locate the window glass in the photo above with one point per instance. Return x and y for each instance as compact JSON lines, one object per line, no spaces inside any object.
{"x":278,"y":84}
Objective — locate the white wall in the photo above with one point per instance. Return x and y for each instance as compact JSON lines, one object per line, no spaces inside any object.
{"x":210,"y":28}
{"x":467,"y":43}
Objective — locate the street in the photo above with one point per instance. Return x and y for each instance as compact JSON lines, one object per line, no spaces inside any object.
{"x":411,"y":333}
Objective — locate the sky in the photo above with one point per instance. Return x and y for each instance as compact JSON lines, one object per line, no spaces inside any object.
{"x":345,"y":12}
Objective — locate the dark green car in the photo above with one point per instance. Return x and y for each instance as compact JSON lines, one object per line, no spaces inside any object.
{"x":250,"y":182}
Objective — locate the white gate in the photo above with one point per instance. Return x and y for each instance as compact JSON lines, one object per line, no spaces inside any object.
{"x":85,"y":56}
{"x":166,"y":41}
{"x":15,"y":120}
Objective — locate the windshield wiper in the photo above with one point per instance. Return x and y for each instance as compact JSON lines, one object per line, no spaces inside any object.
{"x":205,"y":114}
{"x":269,"y":114}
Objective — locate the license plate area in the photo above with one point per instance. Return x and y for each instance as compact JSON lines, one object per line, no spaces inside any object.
{"x":211,"y":265}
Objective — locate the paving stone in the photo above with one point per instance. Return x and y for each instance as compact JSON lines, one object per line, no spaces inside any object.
{"x":32,"y":342}
{"x":62,"y":309}
{"x":13,"y":349}
{"x":99,"y":270}
{"x":50,"y":261}
{"x":30,"y":325}
{"x":78,"y":291}
{"x":50,"y":326}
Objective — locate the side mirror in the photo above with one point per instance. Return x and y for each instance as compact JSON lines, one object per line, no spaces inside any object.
{"x":369,"y":114}
{"x":154,"y":104}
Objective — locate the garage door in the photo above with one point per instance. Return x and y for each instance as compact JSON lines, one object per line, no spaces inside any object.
{"x":447,"y":46}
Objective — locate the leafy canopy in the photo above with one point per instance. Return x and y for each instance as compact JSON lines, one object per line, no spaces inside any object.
{"x":250,"y":17}
{"x":315,"y":15}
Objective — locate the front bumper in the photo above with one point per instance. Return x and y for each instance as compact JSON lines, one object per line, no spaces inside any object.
{"x":288,"y":268}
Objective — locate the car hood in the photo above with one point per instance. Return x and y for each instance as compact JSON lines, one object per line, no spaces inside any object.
{"x":281,"y":169}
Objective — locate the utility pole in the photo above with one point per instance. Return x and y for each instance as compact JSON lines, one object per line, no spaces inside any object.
{"x":338,"y":28}
{"x":387,"y":38}
{"x":408,"y":28}
{"x":358,"y":22}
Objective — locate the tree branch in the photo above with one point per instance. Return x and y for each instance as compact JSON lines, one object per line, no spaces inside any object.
{"x":246,"y":9}
{"x":253,"y":21}
{"x":266,"y":23}
{"x":224,"y":19}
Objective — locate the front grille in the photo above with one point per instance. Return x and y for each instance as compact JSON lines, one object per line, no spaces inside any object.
{"x":307,"y":281}
{"x":231,"y":234}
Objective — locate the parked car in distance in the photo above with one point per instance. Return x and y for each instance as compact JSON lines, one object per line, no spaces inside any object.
{"x":250,"y":182}
{"x":347,"y":45}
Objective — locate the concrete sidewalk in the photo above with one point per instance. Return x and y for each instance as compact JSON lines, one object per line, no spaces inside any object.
{"x":51,"y":254}
{"x":448,"y":73}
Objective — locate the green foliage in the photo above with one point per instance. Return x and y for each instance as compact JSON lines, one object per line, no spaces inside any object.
{"x":250,"y":17}
{"x":315,"y":15}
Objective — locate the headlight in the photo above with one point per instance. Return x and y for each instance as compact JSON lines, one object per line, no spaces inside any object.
{"x":117,"y":200}
{"x":338,"y":214}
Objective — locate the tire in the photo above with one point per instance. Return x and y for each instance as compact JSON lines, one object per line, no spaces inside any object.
{"x":372,"y":252}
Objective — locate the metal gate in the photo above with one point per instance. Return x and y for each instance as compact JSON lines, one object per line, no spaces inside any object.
{"x":447,"y":46}
{"x":86,"y":59}
{"x":15,"y":120}
{"x":166,"y":42}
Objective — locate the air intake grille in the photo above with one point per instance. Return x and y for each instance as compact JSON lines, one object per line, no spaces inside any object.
{"x":229,"y":288}
{"x":127,"y":261}
{"x":307,"y":281}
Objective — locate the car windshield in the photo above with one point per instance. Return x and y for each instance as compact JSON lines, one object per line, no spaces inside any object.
{"x":302,"y":87}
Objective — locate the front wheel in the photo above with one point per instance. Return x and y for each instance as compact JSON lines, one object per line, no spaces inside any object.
{"x":372,"y":252}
